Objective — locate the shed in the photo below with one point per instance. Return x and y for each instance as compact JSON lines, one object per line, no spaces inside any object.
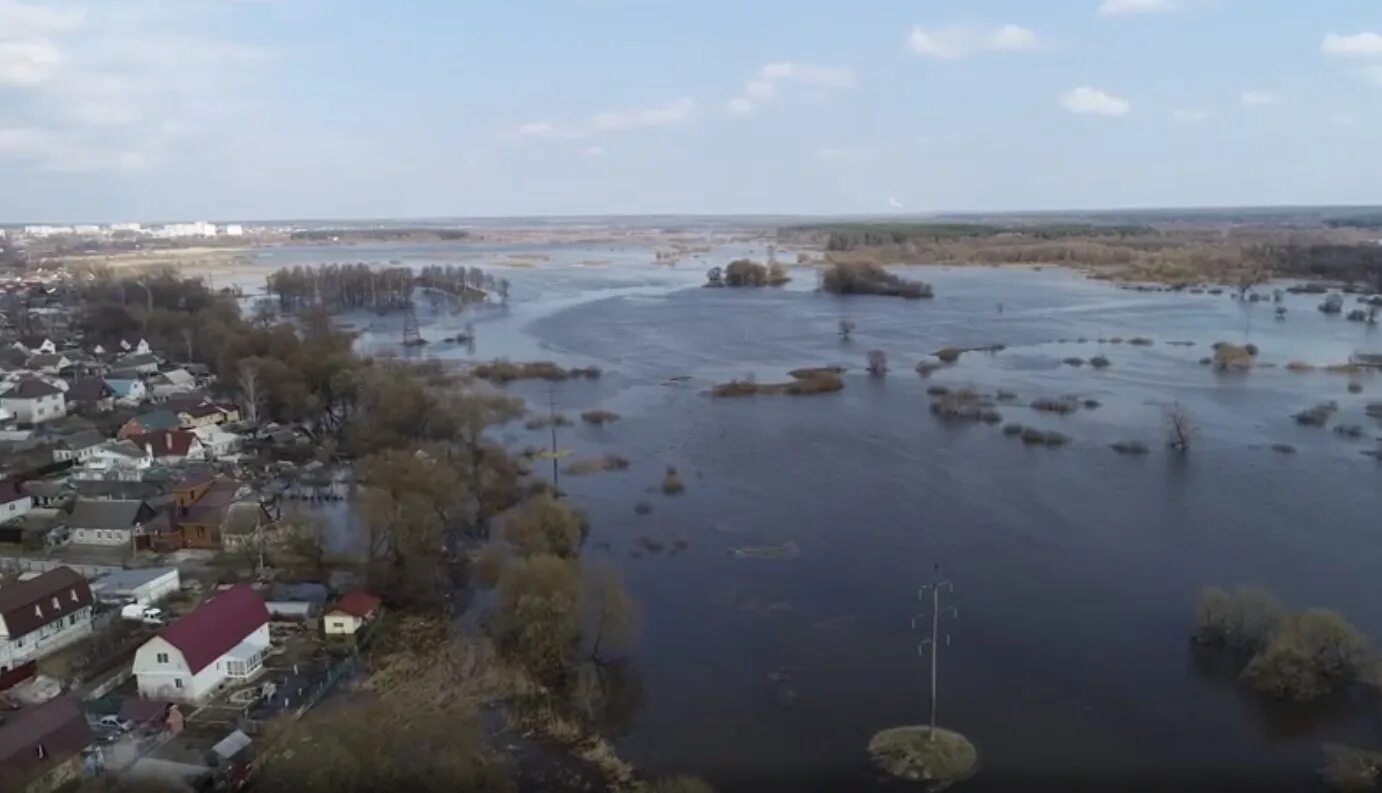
{"x":144,"y":585}
{"x":350,"y":613}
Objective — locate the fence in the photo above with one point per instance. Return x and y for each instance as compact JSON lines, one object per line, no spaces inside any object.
{"x":22,"y":564}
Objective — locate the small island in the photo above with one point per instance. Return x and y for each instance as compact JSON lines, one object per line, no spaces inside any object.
{"x":746,"y":272}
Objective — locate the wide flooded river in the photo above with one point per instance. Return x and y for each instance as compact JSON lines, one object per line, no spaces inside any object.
{"x":1076,"y":569}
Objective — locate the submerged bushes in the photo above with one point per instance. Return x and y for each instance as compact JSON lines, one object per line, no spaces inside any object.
{"x":868,"y":278}
{"x":1299,"y":656}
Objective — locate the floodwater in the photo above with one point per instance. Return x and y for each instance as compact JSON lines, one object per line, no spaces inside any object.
{"x":1075,"y":569}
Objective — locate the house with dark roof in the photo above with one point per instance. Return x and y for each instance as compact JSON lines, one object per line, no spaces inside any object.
{"x":14,"y":502}
{"x":90,"y":393}
{"x":34,"y":401}
{"x":170,"y":446}
{"x":42,"y":615}
{"x":48,"y":362}
{"x":224,"y":640}
{"x":143,"y":363}
{"x":46,"y":492}
{"x":112,"y":522}
{"x":41,"y":747}
{"x":171,"y":383}
{"x":78,"y":446}
{"x":153,"y":421}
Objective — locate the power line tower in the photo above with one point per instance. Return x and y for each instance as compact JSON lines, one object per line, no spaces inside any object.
{"x":932,"y":591}
{"x":412,"y":334}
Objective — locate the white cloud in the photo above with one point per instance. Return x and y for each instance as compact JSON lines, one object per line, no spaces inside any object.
{"x":1186,"y":114}
{"x":112,"y":86}
{"x":593,"y":151}
{"x":1087,"y":101}
{"x":766,"y":85}
{"x":1259,"y":98}
{"x":1358,"y":45}
{"x":18,"y":20}
{"x":28,"y":63}
{"x":960,"y":41}
{"x":1116,"y":8}
{"x":673,"y":112}
{"x":893,"y":203}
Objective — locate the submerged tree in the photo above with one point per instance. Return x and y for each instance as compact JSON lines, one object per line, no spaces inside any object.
{"x":1180,"y":427}
{"x":878,"y":363}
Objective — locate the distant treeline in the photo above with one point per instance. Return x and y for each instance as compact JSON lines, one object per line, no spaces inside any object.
{"x":342,"y":287}
{"x":1373,"y":221}
{"x":1359,"y":263}
{"x":852,"y":236}
{"x":374,"y":235}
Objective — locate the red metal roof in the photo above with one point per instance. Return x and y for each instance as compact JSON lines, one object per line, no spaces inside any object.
{"x":218,"y":624}
{"x":358,"y":604}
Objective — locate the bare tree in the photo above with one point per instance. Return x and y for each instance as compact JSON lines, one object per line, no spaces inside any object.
{"x":187,"y":339}
{"x":610,"y":615}
{"x":249,"y":389}
{"x":1180,"y":427}
{"x":846,"y":329}
{"x":878,"y":363}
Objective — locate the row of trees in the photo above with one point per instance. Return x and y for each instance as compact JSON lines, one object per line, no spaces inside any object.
{"x":745,"y":272}
{"x":342,"y":287}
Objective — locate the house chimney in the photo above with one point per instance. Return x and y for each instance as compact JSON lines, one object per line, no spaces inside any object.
{"x":168,"y":441}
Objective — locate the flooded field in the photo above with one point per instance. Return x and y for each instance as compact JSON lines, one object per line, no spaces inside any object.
{"x":1076,"y":568}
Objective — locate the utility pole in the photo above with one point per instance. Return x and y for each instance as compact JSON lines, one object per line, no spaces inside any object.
{"x":933,"y":590}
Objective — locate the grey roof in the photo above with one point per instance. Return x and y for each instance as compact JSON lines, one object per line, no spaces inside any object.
{"x":81,"y":440}
{"x":144,"y":359}
{"x":125,"y":448}
{"x":44,"y":488}
{"x":129,"y":579}
{"x":92,"y":514}
{"x":31,"y":388}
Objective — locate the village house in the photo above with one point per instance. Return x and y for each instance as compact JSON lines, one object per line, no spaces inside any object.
{"x":153,"y":421}
{"x":224,"y":640}
{"x":121,"y":460}
{"x":141,"y":363}
{"x":47,"y":493}
{"x":41,"y":748}
{"x":170,"y":446}
{"x":350,"y":614}
{"x":42,"y":615}
{"x":34,"y":345}
{"x":205,"y":414}
{"x":77,"y":446}
{"x":216,"y":441}
{"x":128,"y":390}
{"x":135,"y":346}
{"x":14,"y":502}
{"x":171,"y":383}
{"x":34,"y":401}
{"x":90,"y":394}
{"x":113,"y":522}
{"x":48,"y":362}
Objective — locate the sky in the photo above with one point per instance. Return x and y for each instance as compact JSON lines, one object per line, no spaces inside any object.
{"x":150,"y":110}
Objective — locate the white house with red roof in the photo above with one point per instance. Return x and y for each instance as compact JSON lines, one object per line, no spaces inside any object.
{"x":350,"y":613}
{"x":224,"y":640}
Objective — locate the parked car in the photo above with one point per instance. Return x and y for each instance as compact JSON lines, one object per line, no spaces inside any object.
{"x":115,"y":722}
{"x":145,"y":614}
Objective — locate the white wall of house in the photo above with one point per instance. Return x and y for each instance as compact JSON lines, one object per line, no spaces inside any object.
{"x":163,"y":673}
{"x":46,"y":640}
{"x":339,"y":623}
{"x":16,"y":509}
{"x":36,"y":411}
{"x":78,"y":455}
{"x":101,"y":536}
